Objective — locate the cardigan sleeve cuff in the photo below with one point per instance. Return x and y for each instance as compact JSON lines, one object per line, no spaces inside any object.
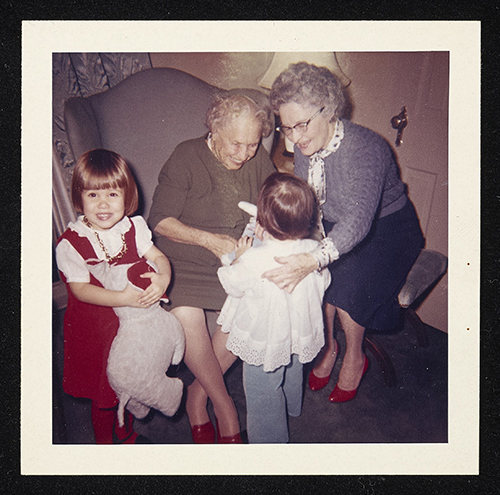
{"x":325,"y":253}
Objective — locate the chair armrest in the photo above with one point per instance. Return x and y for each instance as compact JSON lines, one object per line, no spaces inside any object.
{"x":429,"y":267}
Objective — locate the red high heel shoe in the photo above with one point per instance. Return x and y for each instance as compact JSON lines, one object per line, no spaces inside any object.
{"x":340,"y":395}
{"x":233,"y":439}
{"x":204,"y":433}
{"x":317,"y":383}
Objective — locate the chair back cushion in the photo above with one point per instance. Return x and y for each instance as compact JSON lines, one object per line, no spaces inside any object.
{"x":143,"y":118}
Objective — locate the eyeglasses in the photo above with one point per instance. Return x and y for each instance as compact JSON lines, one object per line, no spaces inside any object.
{"x":301,"y":127}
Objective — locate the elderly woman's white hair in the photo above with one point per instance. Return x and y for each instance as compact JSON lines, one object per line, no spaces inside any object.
{"x":229,"y":105}
{"x":306,"y":83}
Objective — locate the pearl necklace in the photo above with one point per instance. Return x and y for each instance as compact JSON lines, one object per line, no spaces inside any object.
{"x":109,"y":259}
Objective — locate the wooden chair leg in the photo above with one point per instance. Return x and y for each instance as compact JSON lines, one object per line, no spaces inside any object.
{"x":383,"y":360}
{"x":418,"y":327}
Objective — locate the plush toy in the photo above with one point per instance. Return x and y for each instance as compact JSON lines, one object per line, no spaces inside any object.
{"x":147,"y":342}
{"x":251,"y":209}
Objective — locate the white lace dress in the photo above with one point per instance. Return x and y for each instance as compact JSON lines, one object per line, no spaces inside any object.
{"x":266,"y":325}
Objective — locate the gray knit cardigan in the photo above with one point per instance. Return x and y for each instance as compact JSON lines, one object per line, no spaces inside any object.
{"x":362,"y":183}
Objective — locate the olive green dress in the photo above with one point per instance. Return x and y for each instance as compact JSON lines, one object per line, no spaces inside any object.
{"x":194,"y":187}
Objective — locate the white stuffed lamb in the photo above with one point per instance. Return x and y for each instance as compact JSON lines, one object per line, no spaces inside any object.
{"x":147,"y":342}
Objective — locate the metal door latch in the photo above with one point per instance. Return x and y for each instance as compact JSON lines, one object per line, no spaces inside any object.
{"x":399,"y":122}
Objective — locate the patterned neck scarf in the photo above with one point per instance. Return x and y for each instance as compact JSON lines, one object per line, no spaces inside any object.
{"x":316,"y":173}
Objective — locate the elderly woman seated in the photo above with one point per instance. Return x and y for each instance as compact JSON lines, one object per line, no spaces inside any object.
{"x":371,"y":231}
{"x":197,"y":220}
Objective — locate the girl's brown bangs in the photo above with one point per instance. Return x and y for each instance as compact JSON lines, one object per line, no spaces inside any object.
{"x":105,"y":182}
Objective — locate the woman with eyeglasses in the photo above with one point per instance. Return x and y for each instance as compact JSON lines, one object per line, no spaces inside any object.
{"x":371,"y":233}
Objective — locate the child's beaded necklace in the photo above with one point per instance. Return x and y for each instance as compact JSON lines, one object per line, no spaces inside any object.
{"x":109,"y":259}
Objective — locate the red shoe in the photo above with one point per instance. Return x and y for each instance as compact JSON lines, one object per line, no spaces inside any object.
{"x":339,"y":395}
{"x":125,"y":434}
{"x":233,"y":439}
{"x":317,"y":383}
{"x":204,"y":433}
{"x":130,"y":438}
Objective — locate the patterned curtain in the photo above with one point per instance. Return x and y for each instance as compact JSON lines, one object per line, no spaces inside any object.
{"x":80,"y":74}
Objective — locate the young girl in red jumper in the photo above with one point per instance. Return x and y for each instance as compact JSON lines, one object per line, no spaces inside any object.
{"x":104,"y":190}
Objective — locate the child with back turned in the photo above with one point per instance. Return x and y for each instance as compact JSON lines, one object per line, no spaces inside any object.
{"x":104,"y":190}
{"x":272,"y":331}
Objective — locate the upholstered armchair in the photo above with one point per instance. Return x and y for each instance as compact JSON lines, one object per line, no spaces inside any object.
{"x":143,"y":118}
{"x":427,"y":270}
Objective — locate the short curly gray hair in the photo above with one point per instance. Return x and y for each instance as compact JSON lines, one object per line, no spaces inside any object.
{"x":227,"y":106}
{"x":306,"y":83}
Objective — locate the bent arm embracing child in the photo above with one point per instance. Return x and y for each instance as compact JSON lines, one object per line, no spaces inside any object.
{"x":272,"y":331}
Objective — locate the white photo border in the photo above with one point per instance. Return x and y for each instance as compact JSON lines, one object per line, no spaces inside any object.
{"x":460,"y":455}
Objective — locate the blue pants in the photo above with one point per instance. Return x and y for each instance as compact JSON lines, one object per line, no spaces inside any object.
{"x":270,"y":398}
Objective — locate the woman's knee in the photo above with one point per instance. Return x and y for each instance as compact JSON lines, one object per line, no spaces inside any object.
{"x":347,"y":322}
{"x":192,"y":320}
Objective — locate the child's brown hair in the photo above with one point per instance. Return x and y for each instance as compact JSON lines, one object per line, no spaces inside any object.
{"x":287,"y":207}
{"x":103,"y":169}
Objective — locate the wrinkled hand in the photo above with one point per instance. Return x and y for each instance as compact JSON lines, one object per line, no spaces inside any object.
{"x":293,"y":270}
{"x":159,"y":284}
{"x":220,"y":244}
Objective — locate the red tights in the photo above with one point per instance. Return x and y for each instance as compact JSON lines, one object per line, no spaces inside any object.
{"x":105,"y":423}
